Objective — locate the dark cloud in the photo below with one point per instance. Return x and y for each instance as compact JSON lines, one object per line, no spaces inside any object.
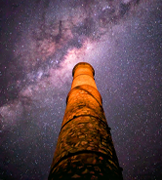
{"x":124,"y":8}
{"x":85,"y":28}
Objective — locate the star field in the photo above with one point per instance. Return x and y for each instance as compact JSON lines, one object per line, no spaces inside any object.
{"x":41,"y":41}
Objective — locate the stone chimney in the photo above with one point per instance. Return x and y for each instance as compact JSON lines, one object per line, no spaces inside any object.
{"x":84,"y":149}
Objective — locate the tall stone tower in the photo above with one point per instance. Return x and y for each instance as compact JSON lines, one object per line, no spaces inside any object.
{"x":84,"y":149}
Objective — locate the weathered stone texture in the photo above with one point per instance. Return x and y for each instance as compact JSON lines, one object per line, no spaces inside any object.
{"x":86,"y":166}
{"x":84,"y":148}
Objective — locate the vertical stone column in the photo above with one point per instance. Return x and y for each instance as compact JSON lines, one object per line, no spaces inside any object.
{"x":84,"y":149}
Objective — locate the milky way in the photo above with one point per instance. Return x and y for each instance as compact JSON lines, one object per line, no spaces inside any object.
{"x":41,"y":41}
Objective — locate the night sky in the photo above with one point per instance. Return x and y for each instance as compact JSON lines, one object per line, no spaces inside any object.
{"x":41,"y":41}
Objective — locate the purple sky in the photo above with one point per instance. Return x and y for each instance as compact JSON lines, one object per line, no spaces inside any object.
{"x":41,"y":41}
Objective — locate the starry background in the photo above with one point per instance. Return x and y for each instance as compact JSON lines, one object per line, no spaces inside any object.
{"x":41,"y":41}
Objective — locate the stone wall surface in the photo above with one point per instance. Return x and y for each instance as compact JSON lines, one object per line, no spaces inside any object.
{"x":85,"y":149}
{"x":89,"y":166}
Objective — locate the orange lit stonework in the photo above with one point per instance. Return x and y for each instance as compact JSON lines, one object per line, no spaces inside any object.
{"x":84,"y":149}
